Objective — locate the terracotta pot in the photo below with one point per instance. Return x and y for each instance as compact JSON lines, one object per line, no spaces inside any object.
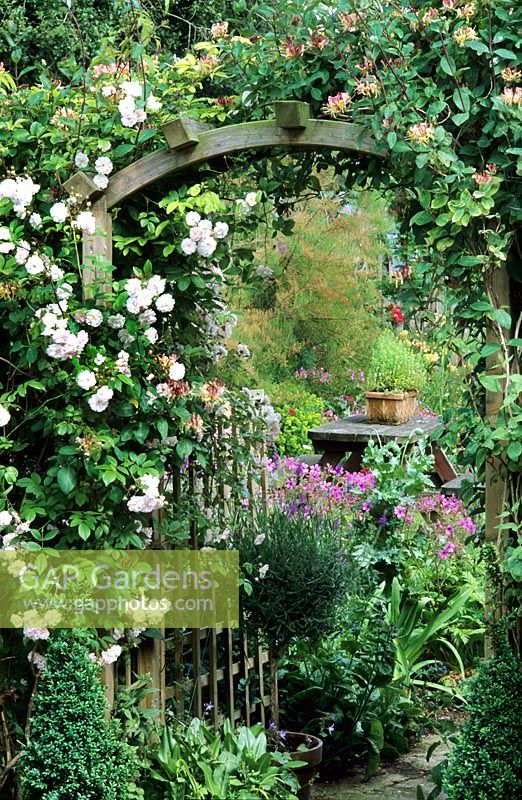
{"x":390,"y":408}
{"x":313,"y":755}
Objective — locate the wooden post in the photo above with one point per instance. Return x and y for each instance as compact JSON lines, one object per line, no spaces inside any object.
{"x":292,"y":114}
{"x":97,"y":254}
{"x":151,"y":660}
{"x":495,"y":488}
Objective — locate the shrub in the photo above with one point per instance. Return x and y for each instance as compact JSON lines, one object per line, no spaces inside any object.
{"x":486,"y":761}
{"x":394,"y":367}
{"x":73,"y":751}
{"x":299,"y":412}
{"x":297,"y":576}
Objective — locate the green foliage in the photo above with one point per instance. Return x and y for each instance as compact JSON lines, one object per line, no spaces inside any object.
{"x":341,"y":690}
{"x":300,"y":412}
{"x":196,"y":761}
{"x":486,"y":760}
{"x":306,"y":576}
{"x":73,"y":751}
{"x":394,"y":367}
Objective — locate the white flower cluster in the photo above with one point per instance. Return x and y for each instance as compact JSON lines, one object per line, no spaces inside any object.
{"x":262,"y":271}
{"x":203,"y":235}
{"x":130,"y":115}
{"x":8,"y":518}
{"x":37,"y":634}
{"x":103,"y":166}
{"x":107,"y":657}
{"x":219,"y":327}
{"x":20,"y":191}
{"x":101,"y":398}
{"x":247,"y":203}
{"x":64,"y":343}
{"x":6,"y":244}
{"x":265,"y":410}
{"x":84,"y":221}
{"x":5,"y":416}
{"x":150,"y":500}
{"x":38,"y":661}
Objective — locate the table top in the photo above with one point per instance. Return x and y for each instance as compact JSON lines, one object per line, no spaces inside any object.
{"x":358,"y":429}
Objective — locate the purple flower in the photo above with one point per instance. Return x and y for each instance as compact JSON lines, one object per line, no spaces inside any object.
{"x":208,"y":706}
{"x":366,"y":506}
{"x":282,"y":735}
{"x":382,"y":521}
{"x":282,"y":248}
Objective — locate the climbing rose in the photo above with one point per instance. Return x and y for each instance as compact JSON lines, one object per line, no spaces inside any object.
{"x":86,"y":379}
{"x":100,"y":399}
{"x":5,"y":416}
{"x":59,"y":212}
{"x":165,"y":303}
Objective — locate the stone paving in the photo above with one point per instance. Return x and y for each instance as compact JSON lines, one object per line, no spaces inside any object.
{"x":397,"y":781}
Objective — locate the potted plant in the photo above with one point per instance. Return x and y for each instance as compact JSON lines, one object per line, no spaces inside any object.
{"x":396,"y":374}
{"x":295,"y":576}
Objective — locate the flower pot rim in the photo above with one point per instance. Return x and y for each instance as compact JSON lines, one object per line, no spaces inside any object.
{"x":316,"y":747}
{"x":393,"y":395}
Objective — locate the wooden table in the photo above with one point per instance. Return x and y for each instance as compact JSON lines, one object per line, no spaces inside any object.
{"x":336,"y":440}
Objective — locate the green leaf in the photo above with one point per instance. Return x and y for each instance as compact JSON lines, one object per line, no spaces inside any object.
{"x":503,"y":53}
{"x":162,"y":426}
{"x":490,"y":382}
{"x":490,"y":348}
{"x":184,"y":448}
{"x":502,"y":317}
{"x":514,"y":451}
{"x":448,"y":65}
{"x":67,"y":479}
{"x":391,"y":139}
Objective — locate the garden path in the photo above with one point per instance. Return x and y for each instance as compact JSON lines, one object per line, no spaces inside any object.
{"x":397,"y":781}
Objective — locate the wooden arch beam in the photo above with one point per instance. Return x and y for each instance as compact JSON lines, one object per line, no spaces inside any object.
{"x":191,"y":143}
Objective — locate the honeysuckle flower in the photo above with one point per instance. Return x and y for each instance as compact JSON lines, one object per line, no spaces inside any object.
{"x":81,"y":160}
{"x":165,"y":303}
{"x":422,"y":133}
{"x":59,"y":213}
{"x":86,"y":379}
{"x":101,"y":398}
{"x":512,"y":97}
{"x":85,"y":222}
{"x":219,"y":29}
{"x":337,"y":104}
{"x":511,"y":75}
{"x":465,"y":34}
{"x":101,"y":181}
{"x":103,"y":165}
{"x":5,"y":416}
{"x":220,"y":230}
{"x":349,"y":21}
{"x":192,"y":218}
{"x":116,"y":321}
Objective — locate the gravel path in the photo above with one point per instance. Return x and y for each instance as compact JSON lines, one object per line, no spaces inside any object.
{"x":397,"y":781}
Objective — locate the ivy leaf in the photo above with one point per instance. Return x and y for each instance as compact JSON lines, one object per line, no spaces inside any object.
{"x":67,"y":479}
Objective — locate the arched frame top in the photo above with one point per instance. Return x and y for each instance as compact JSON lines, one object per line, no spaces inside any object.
{"x":192,"y":143}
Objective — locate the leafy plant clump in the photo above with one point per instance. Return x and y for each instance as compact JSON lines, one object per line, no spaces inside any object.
{"x":486,"y":761}
{"x":73,"y":751}
{"x":394,"y":367}
{"x":196,"y":761}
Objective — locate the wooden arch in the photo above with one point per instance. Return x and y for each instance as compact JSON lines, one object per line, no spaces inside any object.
{"x":191,"y":143}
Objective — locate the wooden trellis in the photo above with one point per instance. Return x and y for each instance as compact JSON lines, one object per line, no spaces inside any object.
{"x":191,"y":143}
